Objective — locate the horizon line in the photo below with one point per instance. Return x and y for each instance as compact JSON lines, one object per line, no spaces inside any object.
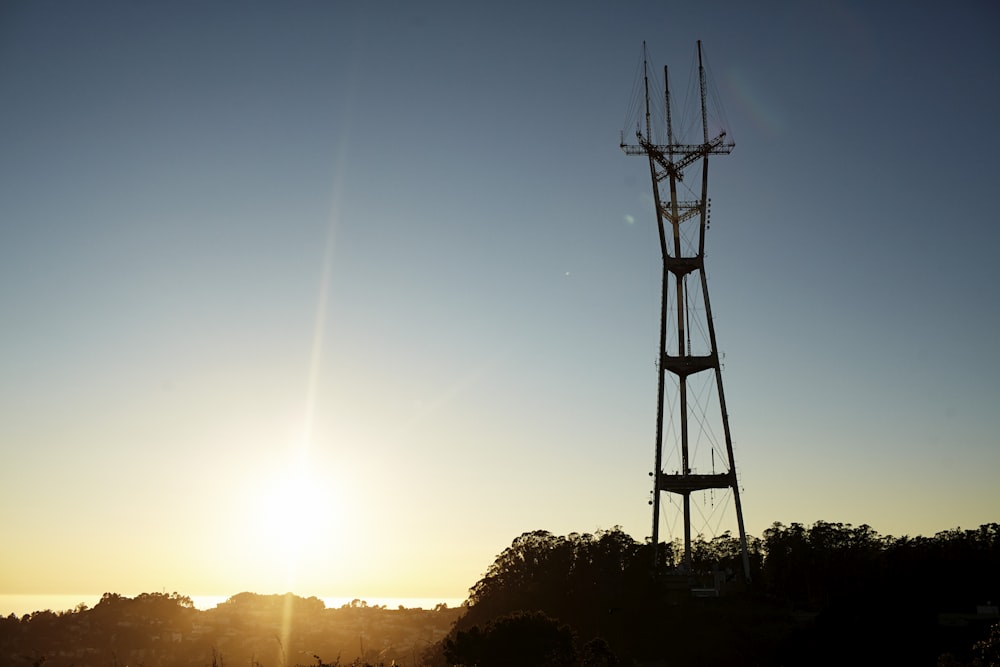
{"x":209,"y":602}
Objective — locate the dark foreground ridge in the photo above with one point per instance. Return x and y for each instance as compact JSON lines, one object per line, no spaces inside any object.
{"x":829,"y":594}
{"x":165,"y":629}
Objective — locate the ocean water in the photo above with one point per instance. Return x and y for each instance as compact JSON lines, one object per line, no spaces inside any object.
{"x":20,"y":605}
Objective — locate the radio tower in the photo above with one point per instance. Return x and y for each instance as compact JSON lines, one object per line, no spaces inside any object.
{"x":685,"y":314}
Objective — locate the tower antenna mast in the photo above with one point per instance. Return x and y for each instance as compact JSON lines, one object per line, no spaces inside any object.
{"x":683,"y":251}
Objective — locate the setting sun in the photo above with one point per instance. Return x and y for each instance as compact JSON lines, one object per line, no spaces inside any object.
{"x":298,"y":510}
{"x":291,"y":516}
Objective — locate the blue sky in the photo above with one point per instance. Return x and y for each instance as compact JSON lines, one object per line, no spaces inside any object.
{"x":392,"y":254}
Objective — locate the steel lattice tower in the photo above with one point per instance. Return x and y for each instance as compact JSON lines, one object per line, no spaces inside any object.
{"x":682,"y":220}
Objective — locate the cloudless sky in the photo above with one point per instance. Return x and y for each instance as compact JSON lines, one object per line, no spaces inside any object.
{"x":341,"y":297}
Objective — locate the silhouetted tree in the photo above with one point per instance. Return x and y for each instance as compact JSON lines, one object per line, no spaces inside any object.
{"x":560,"y":576}
{"x":597,"y":653}
{"x":525,"y":639}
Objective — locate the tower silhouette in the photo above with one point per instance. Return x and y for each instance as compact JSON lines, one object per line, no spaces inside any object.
{"x":689,"y":389}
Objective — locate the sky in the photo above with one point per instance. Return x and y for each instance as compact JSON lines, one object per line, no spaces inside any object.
{"x":339,"y":298}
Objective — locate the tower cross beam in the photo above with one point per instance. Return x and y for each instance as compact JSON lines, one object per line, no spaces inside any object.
{"x":715,"y":147}
{"x":689,"y":482}
{"x":690,"y":155}
{"x":686,"y":210}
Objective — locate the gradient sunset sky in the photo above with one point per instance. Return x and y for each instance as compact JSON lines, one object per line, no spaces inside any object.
{"x":341,"y":297}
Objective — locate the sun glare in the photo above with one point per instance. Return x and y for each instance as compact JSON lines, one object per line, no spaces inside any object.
{"x":294,"y":512}
{"x":297,"y":508}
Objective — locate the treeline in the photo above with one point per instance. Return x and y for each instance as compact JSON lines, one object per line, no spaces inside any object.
{"x":166,"y":630}
{"x":828,"y":594}
{"x":829,"y":564}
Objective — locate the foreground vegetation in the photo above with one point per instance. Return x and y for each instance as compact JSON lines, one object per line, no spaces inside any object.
{"x":828,"y":594}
